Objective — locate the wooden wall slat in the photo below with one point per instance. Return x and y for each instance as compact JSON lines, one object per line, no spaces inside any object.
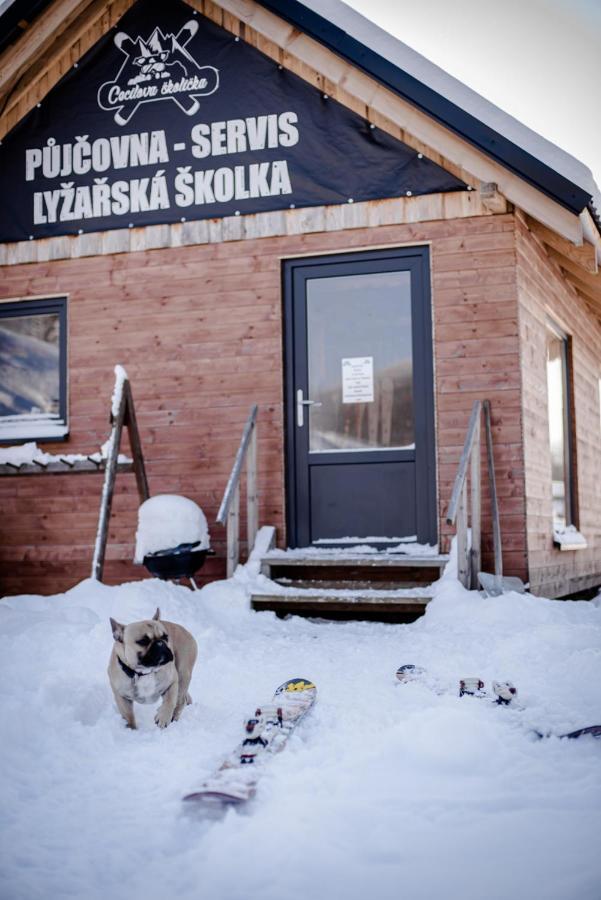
{"x":543,"y":293}
{"x":198,"y":358}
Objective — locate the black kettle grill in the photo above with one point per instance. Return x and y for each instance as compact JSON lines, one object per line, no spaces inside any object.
{"x":177,"y":562}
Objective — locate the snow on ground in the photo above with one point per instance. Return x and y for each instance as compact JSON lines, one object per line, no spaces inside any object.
{"x":385,"y":791}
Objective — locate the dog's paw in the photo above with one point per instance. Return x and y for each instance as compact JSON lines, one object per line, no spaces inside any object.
{"x":163,"y":717}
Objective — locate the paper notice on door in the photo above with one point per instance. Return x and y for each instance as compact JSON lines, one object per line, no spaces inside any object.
{"x":358,"y":379}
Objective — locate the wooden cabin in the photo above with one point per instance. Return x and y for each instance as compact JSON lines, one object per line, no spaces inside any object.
{"x":260,"y":202}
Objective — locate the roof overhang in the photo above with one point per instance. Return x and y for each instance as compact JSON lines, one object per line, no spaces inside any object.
{"x":361,"y":42}
{"x":418,"y":81}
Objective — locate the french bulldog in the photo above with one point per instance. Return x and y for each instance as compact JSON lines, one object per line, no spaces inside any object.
{"x":149,"y":660}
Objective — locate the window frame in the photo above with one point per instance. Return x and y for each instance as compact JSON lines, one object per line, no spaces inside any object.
{"x":19,"y":308}
{"x":570,"y":468}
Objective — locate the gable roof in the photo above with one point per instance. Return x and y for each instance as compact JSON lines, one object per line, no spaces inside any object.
{"x":401,"y":69}
{"x":349,"y":34}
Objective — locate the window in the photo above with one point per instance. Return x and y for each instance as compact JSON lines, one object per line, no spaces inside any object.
{"x":560,"y":437}
{"x":33,"y":370}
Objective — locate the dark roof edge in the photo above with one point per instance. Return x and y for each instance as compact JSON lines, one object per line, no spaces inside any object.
{"x":550,"y":182}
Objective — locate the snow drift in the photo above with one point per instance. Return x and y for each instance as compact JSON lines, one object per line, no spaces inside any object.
{"x":384,"y":791}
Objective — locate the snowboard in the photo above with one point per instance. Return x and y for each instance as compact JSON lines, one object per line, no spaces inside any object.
{"x":503,"y":694}
{"x":265,"y":733}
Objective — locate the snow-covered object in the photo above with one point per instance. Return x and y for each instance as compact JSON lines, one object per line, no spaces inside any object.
{"x":386,"y":792}
{"x":167,"y":520}
{"x":120,"y":379}
{"x":25,"y":454}
{"x":569,"y":538}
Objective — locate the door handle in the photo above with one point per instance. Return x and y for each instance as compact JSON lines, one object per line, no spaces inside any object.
{"x":300,"y":404}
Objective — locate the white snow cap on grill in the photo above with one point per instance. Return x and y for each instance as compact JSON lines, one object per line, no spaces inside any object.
{"x":167,"y":520}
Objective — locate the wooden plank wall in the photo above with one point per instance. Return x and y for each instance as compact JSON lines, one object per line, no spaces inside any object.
{"x":477,"y":357}
{"x":199,"y":331}
{"x":543,"y":293}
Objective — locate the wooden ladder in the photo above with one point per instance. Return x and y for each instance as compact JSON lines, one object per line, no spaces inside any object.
{"x":123,"y":415}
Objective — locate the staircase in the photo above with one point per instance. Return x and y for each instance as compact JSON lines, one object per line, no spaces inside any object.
{"x":391,"y":585}
{"x":384,"y":585}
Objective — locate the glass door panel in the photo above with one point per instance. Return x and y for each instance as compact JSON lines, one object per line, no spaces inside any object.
{"x":360,"y":362}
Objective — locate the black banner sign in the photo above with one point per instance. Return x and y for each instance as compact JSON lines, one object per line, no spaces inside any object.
{"x":171,"y":118}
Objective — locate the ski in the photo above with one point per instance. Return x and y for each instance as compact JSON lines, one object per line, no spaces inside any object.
{"x":265,"y":733}
{"x":592,"y":730}
{"x":504,"y":693}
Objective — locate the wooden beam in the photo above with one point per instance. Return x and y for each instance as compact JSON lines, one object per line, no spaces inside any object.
{"x":584,"y":256}
{"x":37,"y":39}
{"x":252,"y":496}
{"x":590,"y":230}
{"x":593,"y":306}
{"x":110,"y":473}
{"x":476,"y":509}
{"x":494,"y":501}
{"x":492,"y":199}
{"x":591,"y":296}
{"x":49,"y":59}
{"x":593,"y":282}
{"x":131,"y":423}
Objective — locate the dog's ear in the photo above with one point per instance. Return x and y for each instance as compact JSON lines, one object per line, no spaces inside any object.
{"x":157,"y":614}
{"x":117,"y":630}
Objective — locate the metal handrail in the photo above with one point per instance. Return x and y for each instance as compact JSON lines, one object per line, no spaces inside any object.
{"x":229,"y":511}
{"x":468,"y":558}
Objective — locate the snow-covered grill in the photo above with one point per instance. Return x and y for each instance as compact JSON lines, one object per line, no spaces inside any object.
{"x":172,"y":539}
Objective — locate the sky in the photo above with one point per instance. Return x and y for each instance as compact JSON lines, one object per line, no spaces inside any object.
{"x":539,"y":60}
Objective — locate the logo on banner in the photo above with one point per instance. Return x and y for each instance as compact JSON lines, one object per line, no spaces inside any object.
{"x":159,"y":68}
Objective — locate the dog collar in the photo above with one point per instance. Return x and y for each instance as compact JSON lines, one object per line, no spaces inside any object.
{"x":131,"y":673}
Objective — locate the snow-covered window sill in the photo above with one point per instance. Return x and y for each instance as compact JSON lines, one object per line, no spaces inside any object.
{"x":569,"y":538}
{"x":14,"y":429}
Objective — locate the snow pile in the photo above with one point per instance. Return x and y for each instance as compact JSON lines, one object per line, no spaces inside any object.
{"x":385,"y":790}
{"x":167,"y":520}
{"x":22,"y":454}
